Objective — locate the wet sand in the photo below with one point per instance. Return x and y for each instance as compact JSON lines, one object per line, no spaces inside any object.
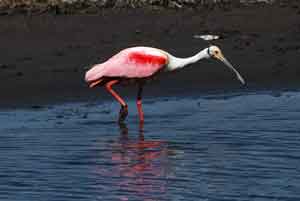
{"x":43,"y":57}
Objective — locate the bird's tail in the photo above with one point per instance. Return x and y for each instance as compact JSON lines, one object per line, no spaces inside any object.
{"x":94,"y":73}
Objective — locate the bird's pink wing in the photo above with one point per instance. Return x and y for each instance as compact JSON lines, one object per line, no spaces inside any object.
{"x":139,"y":62}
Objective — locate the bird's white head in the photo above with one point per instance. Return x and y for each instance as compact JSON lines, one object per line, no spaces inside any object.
{"x":215,"y":52}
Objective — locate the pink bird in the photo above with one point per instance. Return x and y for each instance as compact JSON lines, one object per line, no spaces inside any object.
{"x":139,"y":64}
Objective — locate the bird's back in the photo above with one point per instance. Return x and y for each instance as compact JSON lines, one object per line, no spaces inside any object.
{"x":135,"y":62}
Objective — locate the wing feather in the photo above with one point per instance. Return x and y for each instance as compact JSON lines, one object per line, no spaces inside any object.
{"x":136,"y":62}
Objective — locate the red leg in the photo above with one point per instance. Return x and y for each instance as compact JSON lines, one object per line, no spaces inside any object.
{"x":124,"y":109}
{"x":139,"y":104}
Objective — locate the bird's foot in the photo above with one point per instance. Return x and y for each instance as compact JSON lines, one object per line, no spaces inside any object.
{"x":123,"y":114}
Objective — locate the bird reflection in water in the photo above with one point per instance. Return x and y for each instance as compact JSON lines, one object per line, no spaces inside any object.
{"x":142,"y":166}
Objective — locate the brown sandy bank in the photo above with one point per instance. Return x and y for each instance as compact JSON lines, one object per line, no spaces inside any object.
{"x":43,"y":56}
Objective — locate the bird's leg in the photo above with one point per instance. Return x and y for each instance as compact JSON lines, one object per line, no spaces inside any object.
{"x":139,"y":104}
{"x":123,"y":113}
{"x":124,"y":109}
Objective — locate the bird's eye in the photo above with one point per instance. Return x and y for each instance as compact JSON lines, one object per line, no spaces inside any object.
{"x":216,"y":52}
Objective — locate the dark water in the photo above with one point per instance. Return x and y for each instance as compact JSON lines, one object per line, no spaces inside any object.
{"x":214,"y":147}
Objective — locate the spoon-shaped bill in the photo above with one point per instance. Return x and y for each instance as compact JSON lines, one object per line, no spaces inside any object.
{"x":227,"y":63}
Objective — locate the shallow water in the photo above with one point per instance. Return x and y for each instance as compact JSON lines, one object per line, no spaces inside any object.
{"x":213,"y":147}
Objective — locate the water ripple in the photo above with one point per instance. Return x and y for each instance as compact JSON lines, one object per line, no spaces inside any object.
{"x":214,"y":147}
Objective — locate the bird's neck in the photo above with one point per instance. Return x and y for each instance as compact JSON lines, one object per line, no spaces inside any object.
{"x":177,"y":63}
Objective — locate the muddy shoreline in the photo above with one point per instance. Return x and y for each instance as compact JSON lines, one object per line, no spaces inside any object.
{"x":43,"y":57}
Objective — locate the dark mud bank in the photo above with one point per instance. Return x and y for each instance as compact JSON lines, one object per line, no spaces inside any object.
{"x":43,"y":57}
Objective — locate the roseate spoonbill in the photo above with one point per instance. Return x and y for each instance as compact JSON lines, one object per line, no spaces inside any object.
{"x":138,"y":64}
